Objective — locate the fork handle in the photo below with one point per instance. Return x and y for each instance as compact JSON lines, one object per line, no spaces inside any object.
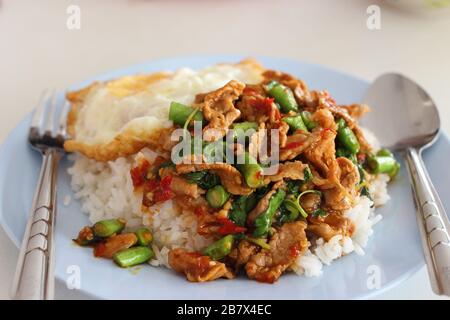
{"x":34,"y":279}
{"x":433,"y":224}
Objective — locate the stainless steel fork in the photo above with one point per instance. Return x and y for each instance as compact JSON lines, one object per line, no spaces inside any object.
{"x":34,"y":272}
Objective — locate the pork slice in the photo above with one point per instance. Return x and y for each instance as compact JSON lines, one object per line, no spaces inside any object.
{"x":285,"y":246}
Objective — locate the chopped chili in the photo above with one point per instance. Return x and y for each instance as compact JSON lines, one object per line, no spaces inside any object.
{"x":228,"y":227}
{"x":294,"y":251}
{"x":99,"y":249}
{"x":264,"y":104}
{"x":139,"y":173}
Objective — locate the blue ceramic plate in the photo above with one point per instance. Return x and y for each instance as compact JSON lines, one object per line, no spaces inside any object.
{"x":394,"y":249}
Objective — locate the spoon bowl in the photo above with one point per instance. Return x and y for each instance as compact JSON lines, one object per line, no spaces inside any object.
{"x":405,"y":116}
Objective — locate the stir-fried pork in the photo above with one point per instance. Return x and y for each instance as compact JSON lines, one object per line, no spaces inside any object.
{"x":285,"y":246}
{"x":219,"y":110}
{"x":197,"y":267}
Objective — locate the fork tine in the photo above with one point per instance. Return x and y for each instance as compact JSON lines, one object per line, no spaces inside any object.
{"x":63,"y":119}
{"x":39,"y":110}
{"x":49,"y":119}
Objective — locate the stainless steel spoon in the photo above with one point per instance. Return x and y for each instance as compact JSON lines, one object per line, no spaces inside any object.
{"x":407,"y":120}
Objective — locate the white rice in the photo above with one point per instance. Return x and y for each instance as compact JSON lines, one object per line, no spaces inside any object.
{"x":363,"y":216}
{"x":106,"y":191}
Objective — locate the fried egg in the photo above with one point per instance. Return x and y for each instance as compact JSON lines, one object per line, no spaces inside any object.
{"x":119,"y":117}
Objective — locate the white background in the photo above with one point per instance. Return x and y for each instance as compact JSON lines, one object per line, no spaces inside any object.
{"x":37,"y":51}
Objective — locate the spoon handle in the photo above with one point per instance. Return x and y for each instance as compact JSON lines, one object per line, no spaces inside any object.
{"x":433,"y":223}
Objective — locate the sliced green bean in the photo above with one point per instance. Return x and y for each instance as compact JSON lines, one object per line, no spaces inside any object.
{"x":381,"y":164}
{"x":144,"y":236}
{"x":295,"y":123}
{"x":394,"y":170}
{"x":347,"y":138}
{"x":106,"y":228}
{"x":217,"y":196}
{"x":264,"y":221}
{"x":179,"y":114}
{"x":306,"y":117}
{"x":133,"y":256}
{"x":385,"y":153}
{"x":251,"y":170}
{"x":283,"y":96}
{"x":220,"y":249}
{"x":242,"y":127}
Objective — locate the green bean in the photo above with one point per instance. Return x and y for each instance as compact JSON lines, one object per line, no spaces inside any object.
{"x":215,"y":152}
{"x":179,"y":114}
{"x":306,"y":117}
{"x":217,"y":196}
{"x":346,"y":137}
{"x":106,"y":228}
{"x":264,"y":221}
{"x":385,"y":153}
{"x":133,"y":256}
{"x":144,"y":236}
{"x":283,"y":96}
{"x":220,"y":249}
{"x":384,"y":162}
{"x":394,"y":170}
{"x":251,"y":170}
{"x":242,"y":127}
{"x":295,"y":123}
{"x":381,"y":164}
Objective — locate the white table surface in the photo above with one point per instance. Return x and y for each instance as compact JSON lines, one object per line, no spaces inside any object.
{"x":37,"y":51}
